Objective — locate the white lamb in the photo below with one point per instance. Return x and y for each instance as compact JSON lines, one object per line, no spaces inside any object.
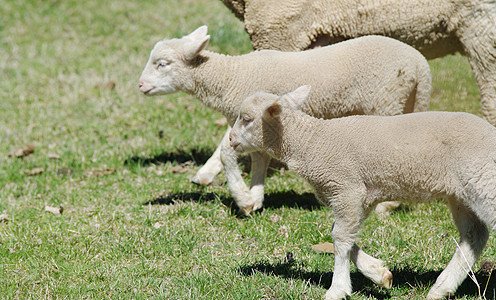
{"x":353,"y":163}
{"x":368,"y":75}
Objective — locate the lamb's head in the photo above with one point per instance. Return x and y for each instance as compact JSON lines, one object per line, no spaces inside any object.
{"x":169,"y":67}
{"x":258,"y":126}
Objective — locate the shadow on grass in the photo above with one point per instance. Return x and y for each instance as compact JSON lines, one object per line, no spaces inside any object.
{"x":276,"y":200}
{"x":405,"y":278}
{"x":291,"y":199}
{"x":169,"y":199}
{"x":199,"y":156}
{"x":296,"y":270}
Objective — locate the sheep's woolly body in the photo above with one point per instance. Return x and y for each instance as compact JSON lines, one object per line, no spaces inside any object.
{"x":435,"y":28}
{"x":406,"y":159}
{"x":345,"y":80}
{"x":354,"y":163}
{"x":369,"y":75}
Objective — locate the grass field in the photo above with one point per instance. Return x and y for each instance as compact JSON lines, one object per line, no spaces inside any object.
{"x":118,"y":163}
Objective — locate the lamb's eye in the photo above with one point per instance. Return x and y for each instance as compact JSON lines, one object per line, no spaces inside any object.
{"x":247,"y":119}
{"x":162,"y":64}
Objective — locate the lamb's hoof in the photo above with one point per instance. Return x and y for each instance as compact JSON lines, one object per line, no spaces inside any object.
{"x":435,"y":294}
{"x":335,"y":296}
{"x":387,"y":279}
{"x":246,"y":210}
{"x":385,"y":208}
{"x":203,"y":179}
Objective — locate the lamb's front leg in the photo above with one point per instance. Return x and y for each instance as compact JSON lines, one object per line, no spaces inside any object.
{"x":237,"y":187}
{"x":213,"y":166}
{"x":343,"y":243}
{"x":349,"y":213}
{"x":259,"y":164}
{"x":247,"y":199}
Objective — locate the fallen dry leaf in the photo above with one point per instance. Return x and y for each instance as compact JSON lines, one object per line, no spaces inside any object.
{"x":109,"y":85}
{"x":4,"y":218}
{"x":183,"y":168}
{"x":179,"y":169}
{"x":324,"y":247}
{"x":33,"y":172}
{"x":220,"y":122}
{"x":53,"y":156}
{"x":24,"y":151}
{"x":54,"y":210}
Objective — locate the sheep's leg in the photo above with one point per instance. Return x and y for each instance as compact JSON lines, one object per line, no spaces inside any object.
{"x":237,"y":186}
{"x":213,"y":166}
{"x":473,"y":238}
{"x":349,"y":215}
{"x":259,"y":164}
{"x":343,"y":243}
{"x":384,"y":208}
{"x":478,"y":37}
{"x":371,"y":267}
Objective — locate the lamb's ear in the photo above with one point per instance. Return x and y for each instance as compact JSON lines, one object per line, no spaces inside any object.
{"x":193,"y":48}
{"x":273,"y":110}
{"x":198,"y":34}
{"x":297,"y":97}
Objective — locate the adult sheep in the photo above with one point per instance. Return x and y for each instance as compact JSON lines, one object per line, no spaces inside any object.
{"x":435,"y":28}
{"x":372,"y":75}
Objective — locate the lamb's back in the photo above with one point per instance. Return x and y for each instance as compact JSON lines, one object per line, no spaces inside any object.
{"x":419,"y":155}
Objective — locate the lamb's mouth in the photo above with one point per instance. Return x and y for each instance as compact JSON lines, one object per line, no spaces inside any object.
{"x":237,"y":147}
{"x":148,"y":92}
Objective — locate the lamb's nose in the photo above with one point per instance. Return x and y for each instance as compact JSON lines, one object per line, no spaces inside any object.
{"x":230,"y":137}
{"x":140,"y":84}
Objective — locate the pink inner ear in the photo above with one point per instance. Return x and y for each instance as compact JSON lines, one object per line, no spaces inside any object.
{"x":274,"y":109}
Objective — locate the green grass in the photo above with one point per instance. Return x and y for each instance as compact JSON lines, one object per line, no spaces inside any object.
{"x":139,"y":230}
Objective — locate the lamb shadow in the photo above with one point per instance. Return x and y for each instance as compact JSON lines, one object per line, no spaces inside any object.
{"x":275,"y":200}
{"x":407,"y":277}
{"x":292,"y":199}
{"x":404,"y":278}
{"x":198,"y":197}
{"x":296,"y":270}
{"x":198,"y":156}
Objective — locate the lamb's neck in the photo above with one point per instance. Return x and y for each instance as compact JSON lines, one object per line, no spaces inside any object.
{"x":214,"y":76}
{"x":297,"y":135}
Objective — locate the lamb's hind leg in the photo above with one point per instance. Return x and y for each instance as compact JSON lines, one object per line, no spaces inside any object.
{"x":213,"y":166}
{"x":259,"y":164}
{"x":371,"y":267}
{"x":473,"y":238}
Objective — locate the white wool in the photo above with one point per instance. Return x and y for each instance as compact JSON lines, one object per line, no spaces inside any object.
{"x":435,"y":28}
{"x":356,"y":162}
{"x":370,"y":75}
